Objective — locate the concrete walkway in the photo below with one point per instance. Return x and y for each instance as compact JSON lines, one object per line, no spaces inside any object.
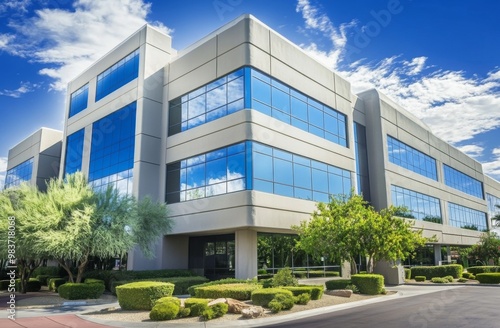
{"x":71,"y":315}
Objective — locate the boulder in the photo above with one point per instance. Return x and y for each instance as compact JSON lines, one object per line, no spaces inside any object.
{"x":216,"y":301}
{"x":235,"y":306}
{"x":340,"y":292}
{"x":252,"y":312}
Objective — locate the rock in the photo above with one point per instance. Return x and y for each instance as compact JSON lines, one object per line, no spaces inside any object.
{"x":216,"y":301}
{"x":340,"y":292}
{"x":252,"y":312}
{"x":235,"y":306}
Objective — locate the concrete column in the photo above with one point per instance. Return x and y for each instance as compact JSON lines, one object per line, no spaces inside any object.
{"x":137,"y":261}
{"x":393,"y":273}
{"x":346,"y":270}
{"x":175,"y":254}
{"x":448,"y":254}
{"x":246,"y":254}
{"x":437,"y":254}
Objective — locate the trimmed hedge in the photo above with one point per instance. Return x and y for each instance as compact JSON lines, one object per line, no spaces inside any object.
{"x":262,"y":297}
{"x":369,"y":284}
{"x":468,"y":275}
{"x":407,"y":273}
{"x":150,"y":275}
{"x":316,"y":274}
{"x":237,"y":291}
{"x":420,"y":278}
{"x":449,"y":278}
{"x":215,"y":311}
{"x":282,"y":302}
{"x":167,"y":309}
{"x":142,"y":295}
{"x":438,"y":280}
{"x":181,"y":284}
{"x":337,"y":284}
{"x":52,"y":271}
{"x":191,"y":289}
{"x":314,"y":292}
{"x":33,"y":285}
{"x":483,"y":269}
{"x":81,"y":291}
{"x":44,"y":278}
{"x":94,"y":281}
{"x":488,"y":278}
{"x":454,"y":270}
{"x":196,"y":306}
{"x":54,"y":283}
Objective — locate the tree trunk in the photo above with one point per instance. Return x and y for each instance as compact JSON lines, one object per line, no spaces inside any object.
{"x":67,"y":268}
{"x":354,"y":267}
{"x":81,"y":269}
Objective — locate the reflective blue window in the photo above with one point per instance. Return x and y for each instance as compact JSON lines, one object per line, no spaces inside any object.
{"x":361,"y":150}
{"x":218,"y":172}
{"x":408,"y":157}
{"x":74,"y":151}
{"x":283,"y":173}
{"x":121,"y":73}
{"x":112,"y":150}
{"x":462,"y":182}
{"x":78,"y":101}
{"x":251,"y":165}
{"x":248,"y":87}
{"x":467,"y":218}
{"x":19,"y":174}
{"x":421,"y":206}
{"x":493,"y":203}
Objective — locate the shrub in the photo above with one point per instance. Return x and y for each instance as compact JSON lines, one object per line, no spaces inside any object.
{"x":215,"y":311}
{"x":263,"y":296}
{"x":363,"y":272}
{"x":303,"y":299}
{"x":54,"y":283}
{"x":184,"y":312}
{"x":240,"y":292}
{"x":181,"y":284}
{"x":438,"y":280}
{"x":319,"y":273}
{"x":196,"y":306}
{"x":316,"y":291}
{"x":164,"y":311}
{"x":169,"y":299}
{"x":454,"y":270}
{"x":262,"y":271}
{"x":407,"y":273}
{"x":33,"y":285}
{"x":191,"y":289}
{"x":463,"y":279}
{"x":142,"y":295}
{"x":281,"y":302}
{"x":449,"y":278}
{"x":299,"y":290}
{"x":267,"y":283}
{"x":94,"y":281}
{"x":337,"y":284}
{"x":488,"y":278}
{"x":80,"y":291}
{"x":354,"y":289}
{"x":466,"y":275}
{"x":420,"y":278}
{"x":370,"y":284}
{"x":284,"y":277}
{"x":483,"y":269}
{"x":52,"y":271}
{"x":44,"y":279}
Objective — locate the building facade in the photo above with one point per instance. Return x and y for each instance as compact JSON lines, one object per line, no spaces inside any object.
{"x":242,"y":133}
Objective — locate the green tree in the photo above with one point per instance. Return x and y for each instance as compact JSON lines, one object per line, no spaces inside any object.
{"x":488,"y":248}
{"x":17,"y":243}
{"x":495,"y":221}
{"x":71,"y":222}
{"x":346,"y":228}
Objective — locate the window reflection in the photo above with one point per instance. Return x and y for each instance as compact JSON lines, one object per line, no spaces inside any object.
{"x":467,"y":218}
{"x":19,"y":174}
{"x":462,"y":182}
{"x":78,"y":101}
{"x":408,"y":157}
{"x":421,"y":206}
{"x":74,"y":151}
{"x":121,"y":73}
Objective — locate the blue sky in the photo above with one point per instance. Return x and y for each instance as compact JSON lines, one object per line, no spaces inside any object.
{"x":438,"y":59}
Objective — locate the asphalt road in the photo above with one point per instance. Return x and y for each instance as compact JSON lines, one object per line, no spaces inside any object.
{"x":454,"y":308}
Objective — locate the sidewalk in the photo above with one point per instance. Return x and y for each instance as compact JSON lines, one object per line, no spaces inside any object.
{"x":70,"y":315}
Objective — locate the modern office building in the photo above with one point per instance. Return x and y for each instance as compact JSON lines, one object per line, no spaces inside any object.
{"x":242,"y":133}
{"x":35,"y":159}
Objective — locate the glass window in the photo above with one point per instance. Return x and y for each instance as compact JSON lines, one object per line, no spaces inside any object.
{"x":462,"y":182}
{"x":360,"y":148}
{"x":78,"y":101}
{"x":493,"y":202}
{"x":19,"y":174}
{"x":405,"y":156}
{"x":74,"y":151}
{"x":121,"y":73}
{"x":467,"y":218}
{"x":421,"y":206}
{"x":228,"y":94}
{"x":112,"y":150}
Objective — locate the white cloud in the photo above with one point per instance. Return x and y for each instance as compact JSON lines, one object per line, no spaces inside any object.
{"x":492,"y":168}
{"x":69,"y":41}
{"x":15,"y":5}
{"x":25,"y":87}
{"x":3,"y":171}
{"x":455,"y":106}
{"x":474,"y":151}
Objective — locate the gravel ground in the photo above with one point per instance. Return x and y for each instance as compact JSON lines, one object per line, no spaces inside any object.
{"x":143,"y":316}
